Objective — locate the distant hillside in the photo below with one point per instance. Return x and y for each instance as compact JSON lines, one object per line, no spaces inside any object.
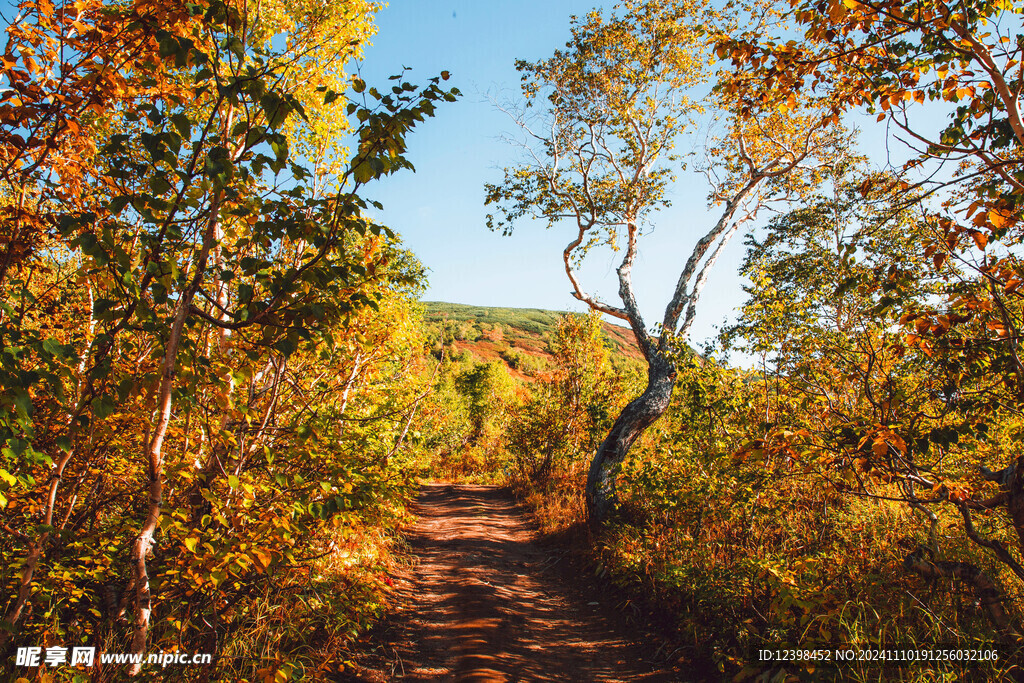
{"x":519,"y":336}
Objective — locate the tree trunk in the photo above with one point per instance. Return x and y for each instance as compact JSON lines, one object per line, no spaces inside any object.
{"x":988,"y":595}
{"x":634,"y":419}
{"x":1015,"y":500}
{"x":154,"y":456}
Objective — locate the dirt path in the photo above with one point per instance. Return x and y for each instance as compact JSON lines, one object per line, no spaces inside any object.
{"x":482,"y":603}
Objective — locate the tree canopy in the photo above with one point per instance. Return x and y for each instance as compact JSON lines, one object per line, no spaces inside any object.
{"x":184,"y":248}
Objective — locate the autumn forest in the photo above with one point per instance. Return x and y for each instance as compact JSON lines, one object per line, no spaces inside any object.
{"x":221,"y":391}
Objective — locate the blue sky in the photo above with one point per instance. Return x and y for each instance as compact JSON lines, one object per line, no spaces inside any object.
{"x":439,"y":210}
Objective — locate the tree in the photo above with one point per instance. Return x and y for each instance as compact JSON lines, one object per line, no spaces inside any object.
{"x":489,"y":391}
{"x":842,"y":263}
{"x":183,"y":165}
{"x":852,"y":406}
{"x":892,"y":59}
{"x":569,"y":407}
{"x":600,"y":157}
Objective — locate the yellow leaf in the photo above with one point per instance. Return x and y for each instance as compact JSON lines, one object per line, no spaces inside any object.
{"x":263,"y":558}
{"x":997,"y":219}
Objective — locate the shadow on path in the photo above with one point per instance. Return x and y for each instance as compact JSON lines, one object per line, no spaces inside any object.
{"x":481,"y":604}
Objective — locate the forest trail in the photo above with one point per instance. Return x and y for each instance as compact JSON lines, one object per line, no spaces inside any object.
{"x":482,"y":603}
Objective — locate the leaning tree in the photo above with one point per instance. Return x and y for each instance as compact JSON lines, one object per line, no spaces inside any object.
{"x":601,"y":120}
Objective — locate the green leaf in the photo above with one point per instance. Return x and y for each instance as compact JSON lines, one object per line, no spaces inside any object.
{"x":183,"y":125}
{"x":159,"y":184}
{"x":117,"y":204}
{"x":22,"y":402}
{"x":124,"y":389}
{"x":53,"y":347}
{"x":102,"y":407}
{"x":285,"y":346}
{"x":275,"y":108}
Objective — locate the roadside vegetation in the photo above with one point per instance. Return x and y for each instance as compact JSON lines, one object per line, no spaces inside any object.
{"x":732,"y":531}
{"x":211,"y":357}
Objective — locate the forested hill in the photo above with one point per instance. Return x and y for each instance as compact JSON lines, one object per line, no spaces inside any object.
{"x":519,"y":336}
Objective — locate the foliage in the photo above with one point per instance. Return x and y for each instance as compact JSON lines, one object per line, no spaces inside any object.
{"x":568,"y":411}
{"x":841,"y":491}
{"x":528,"y":319}
{"x":210,"y":360}
{"x":528,"y":329}
{"x":489,"y":392}
{"x":892,"y":58}
{"x":601,"y":120}
{"x":216,"y":391}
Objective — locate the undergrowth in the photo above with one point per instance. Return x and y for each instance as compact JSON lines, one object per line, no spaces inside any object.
{"x":798,"y":569}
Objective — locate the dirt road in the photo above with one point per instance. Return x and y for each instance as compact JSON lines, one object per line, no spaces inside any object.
{"x":482,"y":603}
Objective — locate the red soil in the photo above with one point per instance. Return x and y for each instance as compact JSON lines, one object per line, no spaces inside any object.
{"x":482,"y":603}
